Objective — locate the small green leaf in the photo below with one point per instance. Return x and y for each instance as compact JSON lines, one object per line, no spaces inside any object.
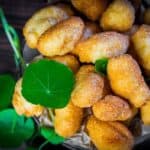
{"x":101,"y":66}
{"x":31,"y":148}
{"x":7,"y":84}
{"x":14,"y":129}
{"x":48,"y":83}
{"x":50,"y":135}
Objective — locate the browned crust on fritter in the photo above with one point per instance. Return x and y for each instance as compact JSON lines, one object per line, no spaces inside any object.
{"x":126,"y":79}
{"x":112,"y":108}
{"x":92,"y":9}
{"x":119,"y":16}
{"x":61,"y":38}
{"x":22,"y":106}
{"x":42,"y":20}
{"x":88,"y":88}
{"x":102,"y":45}
{"x":68,"y":120}
{"x":109,"y":135}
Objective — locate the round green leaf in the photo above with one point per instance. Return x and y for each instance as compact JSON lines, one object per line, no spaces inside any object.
{"x":14,"y":129}
{"x":7,"y":84}
{"x":50,"y":135}
{"x":48,"y":83}
{"x":101,"y":66}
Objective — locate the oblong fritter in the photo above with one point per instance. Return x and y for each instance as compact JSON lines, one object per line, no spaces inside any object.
{"x":109,"y":135}
{"x":112,"y":108}
{"x":127,"y":81}
{"x":141,"y":46}
{"x":42,"y":20}
{"x":102,"y":45}
{"x":119,"y":16}
{"x":61,"y":38}
{"x":89,"y":87}
{"x":92,"y":9}
{"x":68,"y":120}
{"x":22,"y":106}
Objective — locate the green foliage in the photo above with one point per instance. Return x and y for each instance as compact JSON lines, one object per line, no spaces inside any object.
{"x":14,"y":129}
{"x":50,"y":135}
{"x":101,"y":66}
{"x":48,"y":83}
{"x":13,"y":39}
{"x":7,"y":84}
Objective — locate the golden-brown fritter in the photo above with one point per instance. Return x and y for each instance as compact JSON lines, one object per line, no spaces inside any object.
{"x":112,"y":108}
{"x":89,"y":87}
{"x":42,"y":20}
{"x":68,"y":60}
{"x":92,"y":9}
{"x":102,"y":45}
{"x":68,"y":120}
{"x":126,"y":79}
{"x":109,"y":135}
{"x":141,"y":45}
{"x":22,"y":106}
{"x":61,"y":38}
{"x":147,"y":16}
{"x":119,"y":16}
{"x":145,"y":113}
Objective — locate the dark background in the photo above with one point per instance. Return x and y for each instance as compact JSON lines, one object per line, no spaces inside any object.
{"x":17,"y":12}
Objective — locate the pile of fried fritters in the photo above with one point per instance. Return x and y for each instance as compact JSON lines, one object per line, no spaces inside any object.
{"x":79,"y":34}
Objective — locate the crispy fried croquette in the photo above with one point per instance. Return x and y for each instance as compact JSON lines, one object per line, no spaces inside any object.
{"x":141,"y":46}
{"x":89,"y":87}
{"x":42,"y":20}
{"x":109,"y":135}
{"x":119,"y":16}
{"x":102,"y":45}
{"x":126,"y":79}
{"x":147,"y":16}
{"x":145,"y":113}
{"x":112,"y":108}
{"x":22,"y":106}
{"x":61,"y":38}
{"x":92,"y":9}
{"x":68,"y":60}
{"x":68,"y":120}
